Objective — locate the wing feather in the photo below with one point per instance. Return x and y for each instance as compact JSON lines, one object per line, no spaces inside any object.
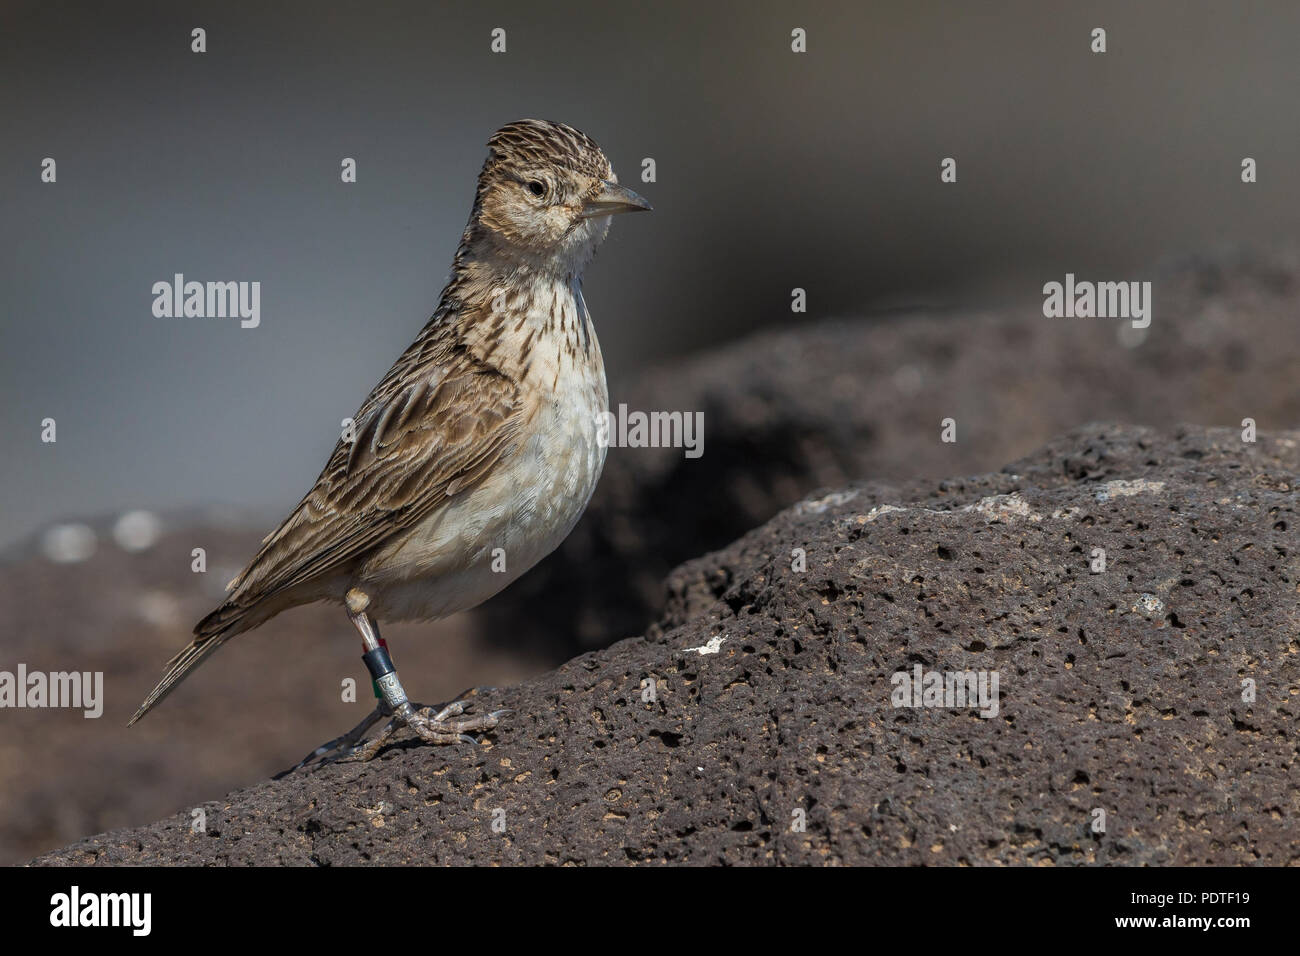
{"x":432,"y":429}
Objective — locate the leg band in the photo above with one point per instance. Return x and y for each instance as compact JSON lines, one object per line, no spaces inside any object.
{"x":384,"y":674}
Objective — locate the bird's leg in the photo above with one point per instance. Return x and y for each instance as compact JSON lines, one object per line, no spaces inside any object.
{"x":434,"y":728}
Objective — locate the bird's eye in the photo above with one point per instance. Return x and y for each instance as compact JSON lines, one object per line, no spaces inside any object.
{"x":537,"y":188}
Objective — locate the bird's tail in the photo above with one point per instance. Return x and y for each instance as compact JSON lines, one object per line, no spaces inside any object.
{"x":209,"y":634}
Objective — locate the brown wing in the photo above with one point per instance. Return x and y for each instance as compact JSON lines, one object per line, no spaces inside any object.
{"x":434,"y":427}
{"x":430,"y":430}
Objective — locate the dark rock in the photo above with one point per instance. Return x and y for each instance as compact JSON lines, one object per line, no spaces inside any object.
{"x":1120,"y":691}
{"x":818,"y":406}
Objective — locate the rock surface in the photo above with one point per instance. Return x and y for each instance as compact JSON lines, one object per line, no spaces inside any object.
{"x":1120,"y":691}
{"x":820,"y":405}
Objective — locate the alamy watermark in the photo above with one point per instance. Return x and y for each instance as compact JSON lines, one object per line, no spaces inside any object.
{"x":73,"y":689}
{"x":948,"y":689}
{"x":1100,"y":300}
{"x":638,"y":429}
{"x":209,"y":300}
{"x":74,"y":908}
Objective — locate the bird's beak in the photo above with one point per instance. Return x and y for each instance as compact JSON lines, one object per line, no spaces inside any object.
{"x":612,"y":199}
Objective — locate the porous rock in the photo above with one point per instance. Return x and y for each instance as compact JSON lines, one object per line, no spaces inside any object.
{"x":755,"y":722}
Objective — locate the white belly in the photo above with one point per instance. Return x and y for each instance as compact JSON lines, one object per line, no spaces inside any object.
{"x":483,"y":540}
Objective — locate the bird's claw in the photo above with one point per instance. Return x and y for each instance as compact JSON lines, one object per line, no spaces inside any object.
{"x":430,"y":725}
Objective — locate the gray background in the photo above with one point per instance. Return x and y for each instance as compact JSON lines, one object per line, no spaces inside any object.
{"x":774,"y":171}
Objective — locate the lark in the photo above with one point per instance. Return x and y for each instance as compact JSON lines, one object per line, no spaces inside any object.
{"x":475,"y":455}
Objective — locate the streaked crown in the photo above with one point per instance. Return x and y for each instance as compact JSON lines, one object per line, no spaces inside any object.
{"x":542,"y":142}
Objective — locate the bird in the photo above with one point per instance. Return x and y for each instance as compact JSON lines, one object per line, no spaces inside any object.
{"x":474,"y":456}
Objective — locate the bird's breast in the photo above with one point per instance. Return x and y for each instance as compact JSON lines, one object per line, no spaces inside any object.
{"x":486,"y":537}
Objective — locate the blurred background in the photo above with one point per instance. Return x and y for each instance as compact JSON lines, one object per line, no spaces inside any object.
{"x":774,"y":170}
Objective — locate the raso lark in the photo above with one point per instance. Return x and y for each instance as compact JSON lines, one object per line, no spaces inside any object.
{"x":482,"y":436}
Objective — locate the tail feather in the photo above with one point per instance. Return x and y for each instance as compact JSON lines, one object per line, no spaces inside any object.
{"x":209,"y":634}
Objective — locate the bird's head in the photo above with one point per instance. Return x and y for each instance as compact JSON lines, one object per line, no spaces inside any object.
{"x":545,"y":195}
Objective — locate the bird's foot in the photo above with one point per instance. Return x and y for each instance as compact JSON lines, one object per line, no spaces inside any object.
{"x":438,"y":727}
{"x":432,"y":726}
